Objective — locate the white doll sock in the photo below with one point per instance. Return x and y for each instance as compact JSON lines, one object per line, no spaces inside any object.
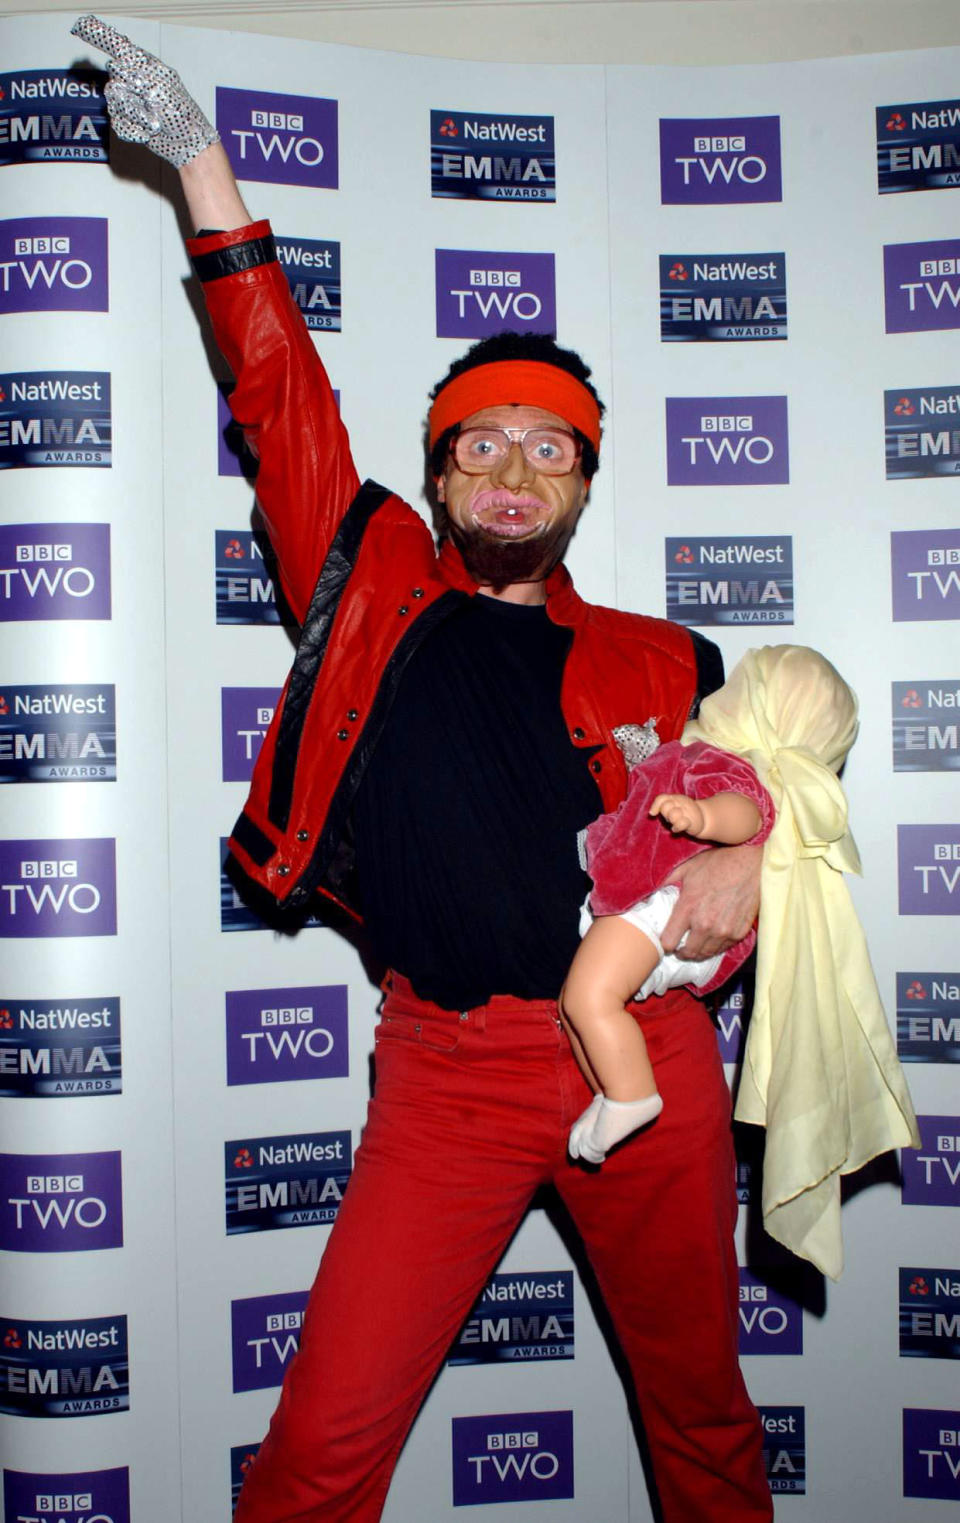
{"x":606,"y":1122}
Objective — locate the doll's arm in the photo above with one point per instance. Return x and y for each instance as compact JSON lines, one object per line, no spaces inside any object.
{"x":728,"y":818}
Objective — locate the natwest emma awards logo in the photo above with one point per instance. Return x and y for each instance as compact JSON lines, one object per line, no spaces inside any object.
{"x":55,"y":417}
{"x":922,"y":432}
{"x":719,"y":160}
{"x":283,"y":139}
{"x":512,"y":1457}
{"x":730,"y":580}
{"x":64,"y":1369}
{"x":312,"y":268}
{"x":918,"y":146}
{"x":922,"y":286}
{"x":49,"y":115}
{"x":54,"y":571}
{"x":50,"y":1048}
{"x":480,"y":292}
{"x":53,"y":264}
{"x":784,"y":1448}
{"x":58,"y":734}
{"x":86,"y":1496}
{"x":928,"y":1017}
{"x":930,"y":1313}
{"x":245,"y":588}
{"x":294,"y":1181}
{"x":722,"y":297}
{"x":492,"y":158}
{"x":519,"y":1317}
{"x":926,"y":725}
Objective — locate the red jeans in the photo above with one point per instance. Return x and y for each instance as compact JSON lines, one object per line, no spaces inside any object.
{"x":470,"y":1116}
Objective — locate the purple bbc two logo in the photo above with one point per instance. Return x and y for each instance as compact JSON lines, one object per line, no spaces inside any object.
{"x":54,"y":571}
{"x":719,"y":160}
{"x":53,"y":264}
{"x":730,"y":1024}
{"x":479,"y":293}
{"x":60,"y":1203}
{"x":925,"y":573}
{"x":726,"y":441}
{"x":931,"y":1453}
{"x":86,"y":1496}
{"x":274,"y":1035}
{"x":922,"y":286}
{"x":245,"y":717}
{"x":265,"y":1335}
{"x":928,"y":864}
{"x":58,"y":888}
{"x":931,"y":1173}
{"x":512,"y":1457}
{"x":771,"y":1321}
{"x":280,"y":139}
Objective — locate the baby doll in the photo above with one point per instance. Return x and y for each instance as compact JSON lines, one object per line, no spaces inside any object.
{"x":702,"y":796}
{"x":820,"y":1072}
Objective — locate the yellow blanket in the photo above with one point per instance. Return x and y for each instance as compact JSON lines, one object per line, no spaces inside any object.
{"x":820,"y":1071}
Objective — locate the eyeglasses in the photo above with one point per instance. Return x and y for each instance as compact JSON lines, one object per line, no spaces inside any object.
{"x":551,"y":451}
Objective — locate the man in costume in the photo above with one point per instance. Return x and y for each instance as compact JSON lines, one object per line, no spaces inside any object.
{"x":451,"y":721}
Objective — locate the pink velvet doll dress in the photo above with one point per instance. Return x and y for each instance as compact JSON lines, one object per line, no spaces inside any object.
{"x":628,"y":854}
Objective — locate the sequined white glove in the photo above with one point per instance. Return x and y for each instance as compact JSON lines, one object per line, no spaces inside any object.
{"x":147,"y":100}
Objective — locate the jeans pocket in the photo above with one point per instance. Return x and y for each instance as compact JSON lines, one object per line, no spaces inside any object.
{"x":437,"y":1036}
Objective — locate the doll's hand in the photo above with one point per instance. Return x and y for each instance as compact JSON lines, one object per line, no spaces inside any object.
{"x":147,"y":100}
{"x":682,"y":814}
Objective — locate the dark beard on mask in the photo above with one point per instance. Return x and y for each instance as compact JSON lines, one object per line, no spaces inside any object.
{"x":495,"y":562}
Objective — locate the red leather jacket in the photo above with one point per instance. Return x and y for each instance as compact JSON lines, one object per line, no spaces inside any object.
{"x":362,"y":575}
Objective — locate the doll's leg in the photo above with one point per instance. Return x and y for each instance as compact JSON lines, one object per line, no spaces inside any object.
{"x":583,"y":1062}
{"x":612,"y":961}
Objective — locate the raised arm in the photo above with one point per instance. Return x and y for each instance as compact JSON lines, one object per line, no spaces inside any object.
{"x":282,"y":399}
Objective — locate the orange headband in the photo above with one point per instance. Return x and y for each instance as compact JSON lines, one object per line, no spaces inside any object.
{"x":531,"y":383}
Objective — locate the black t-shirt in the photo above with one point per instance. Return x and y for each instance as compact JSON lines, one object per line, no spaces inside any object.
{"x":467,"y":816}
